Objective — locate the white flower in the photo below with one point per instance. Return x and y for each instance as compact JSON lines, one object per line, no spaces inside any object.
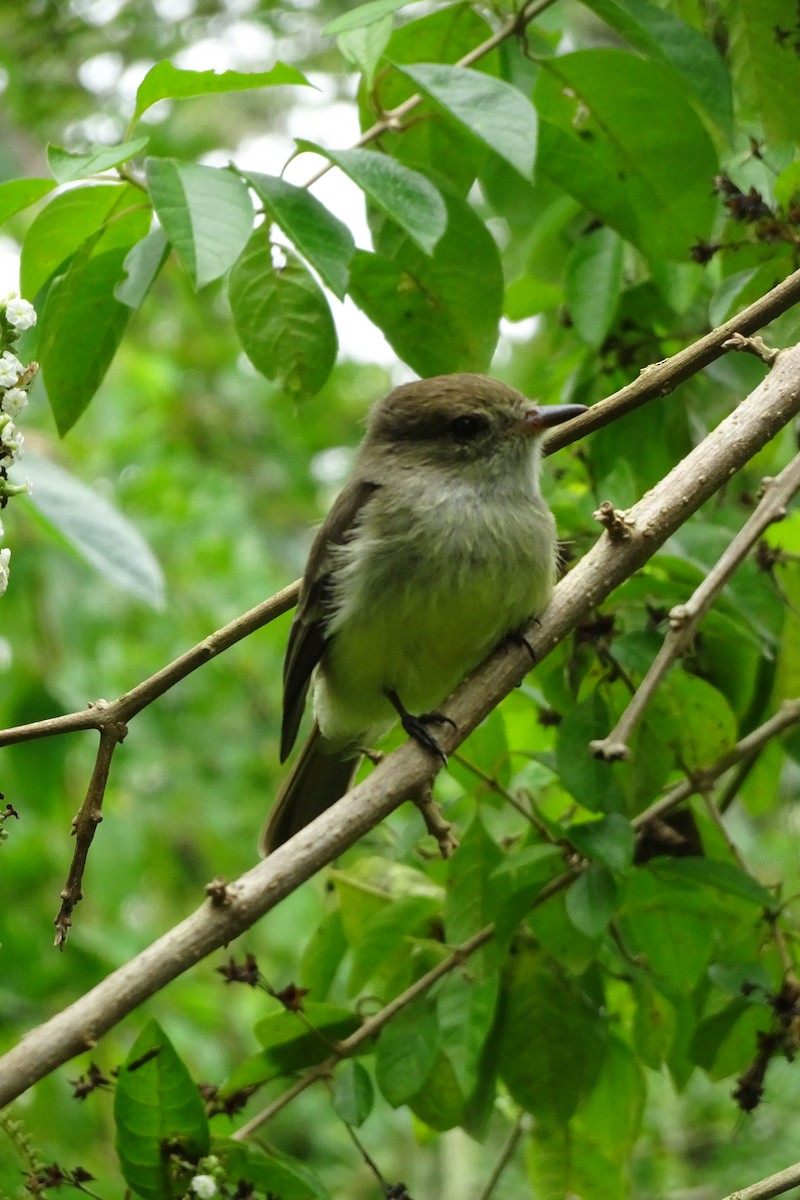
{"x":2,"y":531}
{"x":14,"y":401}
{"x":5,"y":555}
{"x":10,"y":369}
{"x":20,"y":313}
{"x":204,"y":1186}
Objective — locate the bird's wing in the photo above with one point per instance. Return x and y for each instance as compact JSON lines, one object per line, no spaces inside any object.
{"x":307,"y":636}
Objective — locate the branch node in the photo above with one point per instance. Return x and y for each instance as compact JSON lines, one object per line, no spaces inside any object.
{"x":752,"y":345}
{"x":609,"y":750}
{"x":435,"y":823}
{"x":219,"y":892}
{"x":678,"y":616}
{"x":614,"y":521}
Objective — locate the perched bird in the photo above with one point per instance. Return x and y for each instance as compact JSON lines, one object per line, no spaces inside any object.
{"x":439,"y":546}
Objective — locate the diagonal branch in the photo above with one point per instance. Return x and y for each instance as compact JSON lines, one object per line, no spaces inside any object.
{"x":685,"y":619}
{"x":234,"y":908}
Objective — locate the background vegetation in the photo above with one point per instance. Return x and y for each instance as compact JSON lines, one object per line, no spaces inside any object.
{"x":606,"y":183}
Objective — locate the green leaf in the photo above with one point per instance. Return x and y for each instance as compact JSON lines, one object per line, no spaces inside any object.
{"x":690,"y":56}
{"x":594,"y":283}
{"x":765,"y":66}
{"x":364,"y":47}
{"x":63,"y":226}
{"x":82,"y":322}
{"x":722,"y":876}
{"x":353,"y":1095}
{"x":440,"y":1102}
{"x":666,"y":921}
{"x":438,"y":313}
{"x":97,"y":531}
{"x":466,"y":1008}
{"x":383,"y":941}
{"x":67,"y":166}
{"x":18,"y":194}
{"x":407,"y":1052}
{"x":657,"y":177}
{"x":704,"y":722}
{"x":363,"y":15}
{"x":591,"y":901}
{"x":206,"y":213}
{"x":156,"y":1103}
{"x":610,"y":841}
{"x":274,"y":1174}
{"x":494,"y":111}
{"x":474,"y":892}
{"x":323,"y":955}
{"x":591,"y":782}
{"x":282,"y":318}
{"x":552,"y":1040}
{"x":321,"y":238}
{"x":429,"y":144}
{"x":141,"y":266}
{"x":292,"y":1042}
{"x":405,"y":196}
{"x":165,"y":82}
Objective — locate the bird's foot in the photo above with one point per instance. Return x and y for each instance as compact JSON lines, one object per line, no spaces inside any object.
{"x":517,"y":638}
{"x":417,"y":727}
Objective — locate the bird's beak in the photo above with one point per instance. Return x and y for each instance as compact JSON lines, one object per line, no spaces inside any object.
{"x":536,"y":419}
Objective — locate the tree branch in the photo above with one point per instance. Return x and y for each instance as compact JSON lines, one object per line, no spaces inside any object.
{"x":775,"y":1185}
{"x":220,"y":919}
{"x":685,"y":619}
{"x":660,"y":379}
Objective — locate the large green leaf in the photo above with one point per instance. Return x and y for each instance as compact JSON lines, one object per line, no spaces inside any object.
{"x":322,"y":239}
{"x":495,"y":112}
{"x":166,"y":82}
{"x":83,"y":322}
{"x":282,"y":318}
{"x":611,"y":104}
{"x":206,"y":213}
{"x":438,"y":313}
{"x":94,"y":528}
{"x":671,"y":42}
{"x":552,"y":1040}
{"x":65,"y":224}
{"x":406,"y":196}
{"x":156,"y":1104}
{"x":17,"y":194}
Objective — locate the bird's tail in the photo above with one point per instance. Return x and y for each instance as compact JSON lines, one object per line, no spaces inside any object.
{"x":319,"y":777}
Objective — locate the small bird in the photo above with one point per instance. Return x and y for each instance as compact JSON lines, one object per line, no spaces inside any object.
{"x":438,"y":548}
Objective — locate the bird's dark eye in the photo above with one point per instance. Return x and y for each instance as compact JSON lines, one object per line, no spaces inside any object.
{"x":465,"y":428}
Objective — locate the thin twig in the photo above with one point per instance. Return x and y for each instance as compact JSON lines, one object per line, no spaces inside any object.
{"x":685,"y":619}
{"x":521,"y":1125}
{"x":84,"y":826}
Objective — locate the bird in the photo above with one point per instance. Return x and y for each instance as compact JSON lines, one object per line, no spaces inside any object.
{"x":439,"y":547}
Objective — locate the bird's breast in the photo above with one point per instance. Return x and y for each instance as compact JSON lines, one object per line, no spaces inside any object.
{"x":422,"y":592}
